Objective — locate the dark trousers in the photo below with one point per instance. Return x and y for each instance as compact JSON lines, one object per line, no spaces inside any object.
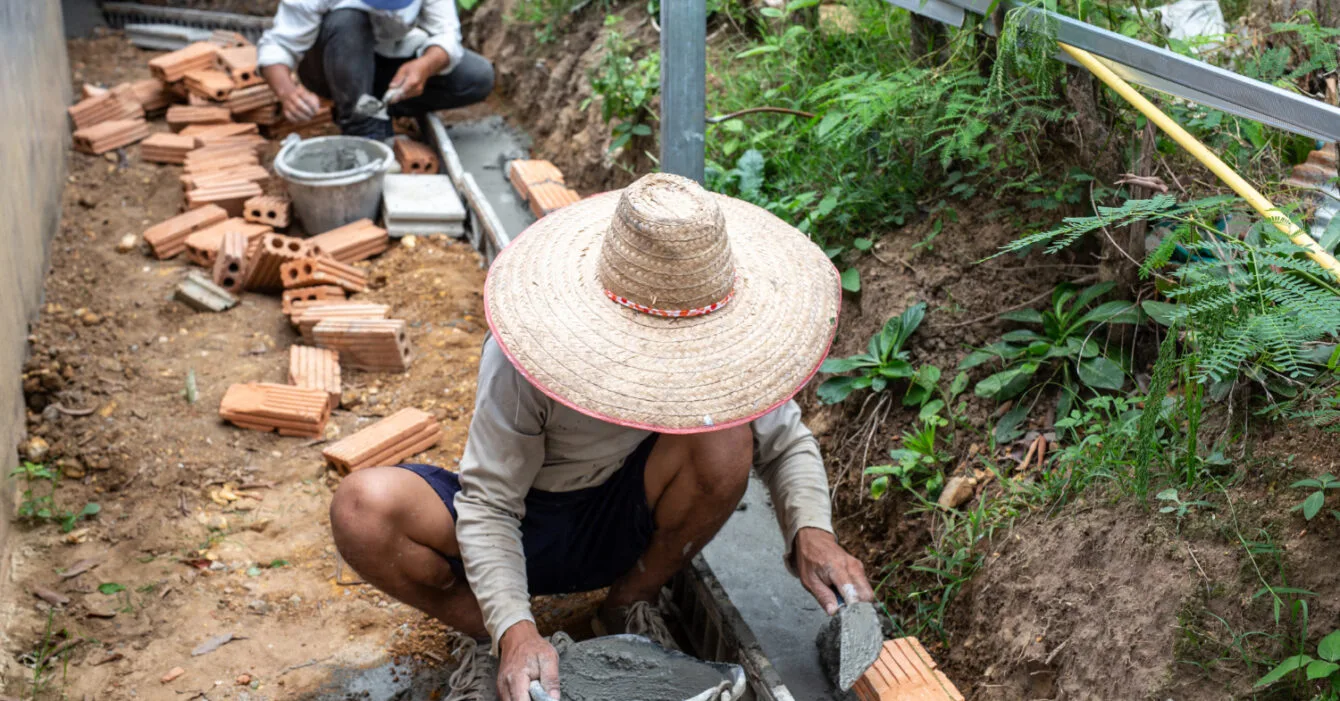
{"x":342,"y":66}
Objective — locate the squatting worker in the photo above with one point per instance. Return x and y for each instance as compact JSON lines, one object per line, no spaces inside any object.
{"x":344,"y":49}
{"x":645,"y":347}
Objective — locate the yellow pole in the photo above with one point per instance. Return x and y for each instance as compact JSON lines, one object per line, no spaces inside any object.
{"x":1207,"y":157}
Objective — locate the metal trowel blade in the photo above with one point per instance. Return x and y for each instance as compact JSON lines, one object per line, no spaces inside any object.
{"x":849,"y":643}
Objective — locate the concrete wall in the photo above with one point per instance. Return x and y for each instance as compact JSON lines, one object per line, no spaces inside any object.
{"x":35,"y":83}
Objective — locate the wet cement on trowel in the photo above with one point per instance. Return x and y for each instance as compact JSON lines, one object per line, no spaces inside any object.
{"x":484,"y":147}
{"x":850,"y":643}
{"x":613,"y":669}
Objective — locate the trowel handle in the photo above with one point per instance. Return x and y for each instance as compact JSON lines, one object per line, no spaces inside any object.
{"x":537,"y":693}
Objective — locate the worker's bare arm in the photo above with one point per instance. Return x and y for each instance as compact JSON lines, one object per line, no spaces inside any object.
{"x":299,"y":103}
{"x":413,"y":75}
{"x":526,"y":656}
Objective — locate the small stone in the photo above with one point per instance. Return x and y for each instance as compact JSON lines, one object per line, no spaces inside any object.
{"x":36,"y":449}
{"x":350,"y":398}
{"x":172,"y":674}
{"x":127,"y":243}
{"x":957,"y":491}
{"x":110,"y":156}
{"x":409,"y":241}
{"x":90,"y":319}
{"x":243,"y":679}
{"x":71,"y":468}
{"x":332,"y":431}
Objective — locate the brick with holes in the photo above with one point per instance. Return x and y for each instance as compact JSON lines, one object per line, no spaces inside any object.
{"x":388,"y":442}
{"x":376,"y":345}
{"x":109,"y":136}
{"x":415,"y":158}
{"x":353,"y":242}
{"x":267,"y":258}
{"x":168,"y":238}
{"x":230,"y":266}
{"x":211,"y":84}
{"x":307,"y":272}
{"x":174,"y":66}
{"x":292,"y":411}
{"x":202,"y":247}
{"x":106,"y":107}
{"x":239,"y":64}
{"x":307,"y":316}
{"x":230,"y":195}
{"x":270,"y":210}
{"x":301,"y":297}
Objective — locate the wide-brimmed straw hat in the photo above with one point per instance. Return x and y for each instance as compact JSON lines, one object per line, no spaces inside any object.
{"x":664,"y":307}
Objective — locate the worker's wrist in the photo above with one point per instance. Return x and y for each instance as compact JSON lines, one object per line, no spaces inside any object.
{"x":516,"y":634}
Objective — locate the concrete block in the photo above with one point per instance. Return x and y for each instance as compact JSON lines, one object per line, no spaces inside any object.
{"x":377,"y":345}
{"x":388,"y":442}
{"x":230,"y":266}
{"x":292,"y":411}
{"x":199,"y":293}
{"x":174,"y":66}
{"x":353,"y":242}
{"x":421,"y":204}
{"x":168,"y":238}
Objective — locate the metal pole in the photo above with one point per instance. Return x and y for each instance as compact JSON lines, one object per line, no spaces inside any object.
{"x":683,"y":87}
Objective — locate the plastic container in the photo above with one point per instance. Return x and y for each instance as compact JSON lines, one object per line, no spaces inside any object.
{"x":333,"y":180}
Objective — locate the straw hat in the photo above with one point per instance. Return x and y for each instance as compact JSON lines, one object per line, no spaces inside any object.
{"x":664,"y":307}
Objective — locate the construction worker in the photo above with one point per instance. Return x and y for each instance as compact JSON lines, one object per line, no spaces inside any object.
{"x":645,"y":347}
{"x":344,"y":49}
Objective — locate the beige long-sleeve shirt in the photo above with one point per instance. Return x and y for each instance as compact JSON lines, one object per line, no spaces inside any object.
{"x":521,"y":439}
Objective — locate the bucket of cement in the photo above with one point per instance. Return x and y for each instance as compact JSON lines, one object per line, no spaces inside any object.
{"x":625,"y":667}
{"x":333,"y":180}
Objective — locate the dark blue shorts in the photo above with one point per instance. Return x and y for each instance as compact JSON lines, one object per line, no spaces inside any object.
{"x":574,"y":541}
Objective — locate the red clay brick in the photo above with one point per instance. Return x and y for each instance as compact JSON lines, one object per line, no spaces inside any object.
{"x":263,"y":116}
{"x":202,"y":247}
{"x":182,"y":116}
{"x":223,"y":176}
{"x":526,"y":174}
{"x":166,"y":148}
{"x":152,"y":94}
{"x":270,"y":253}
{"x":306,"y":316}
{"x":210,"y":84}
{"x":353,"y":242}
{"x":168,"y":238}
{"x":231,"y":196}
{"x":378,"y":345}
{"x":547,"y":197}
{"x":293,"y":411}
{"x":315,"y":368}
{"x":88,"y":91}
{"x":109,"y":136}
{"x":313,"y":127}
{"x":307,"y":272}
{"x":107,"y":107}
{"x":415,"y":158}
{"x":225,"y":39}
{"x":239,"y":64}
{"x":256,"y":97}
{"x":174,"y":66}
{"x":388,"y":442}
{"x":212,"y":158}
{"x":230,"y":267}
{"x":271,"y":210}
{"x":302,"y":297}
{"x":905,"y":672}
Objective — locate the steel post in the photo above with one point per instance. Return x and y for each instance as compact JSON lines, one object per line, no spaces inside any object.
{"x":683,"y":87}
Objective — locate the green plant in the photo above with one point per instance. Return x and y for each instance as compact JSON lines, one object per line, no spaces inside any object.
{"x":547,"y":15}
{"x":884,"y":360}
{"x":50,"y":651}
{"x":36,"y":507}
{"x":1324,"y":667}
{"x":1175,"y":505}
{"x":1066,"y":346}
{"x":1311,"y":506}
{"x":919,"y":460}
{"x":626,"y":87}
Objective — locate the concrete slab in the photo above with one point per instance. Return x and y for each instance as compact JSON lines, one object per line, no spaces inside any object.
{"x":484,"y":146}
{"x":421,"y":197}
{"x":747,"y":558}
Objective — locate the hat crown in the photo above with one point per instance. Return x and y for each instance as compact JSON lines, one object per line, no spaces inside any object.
{"x":666,"y":248}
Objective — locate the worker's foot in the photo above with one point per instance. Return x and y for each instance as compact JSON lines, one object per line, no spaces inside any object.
{"x":470,"y":680}
{"x":641,"y":618}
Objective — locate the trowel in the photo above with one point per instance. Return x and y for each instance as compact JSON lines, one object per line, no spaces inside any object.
{"x":369,"y":106}
{"x":849,"y":643}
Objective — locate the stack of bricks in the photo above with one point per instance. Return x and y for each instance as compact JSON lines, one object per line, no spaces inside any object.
{"x":270,"y":254}
{"x":377,"y":345}
{"x":152,"y":94}
{"x":315,"y":368}
{"x":239,"y":64}
{"x":281,"y":127}
{"x":292,"y":411}
{"x":108,"y":106}
{"x":305,"y":317}
{"x":209,"y":83}
{"x":172,"y":67}
{"x":541,"y":184}
{"x":388,"y":442}
{"x":230,"y":267}
{"x":905,"y":672}
{"x":182,"y":116}
{"x":270,"y":210}
{"x":306,"y":272}
{"x":250,"y":100}
{"x":302,"y":297}
{"x":166,"y":148}
{"x":415,"y":158}
{"x":202,"y":247}
{"x":168,"y":238}
{"x":354,"y":242}
{"x":109,"y":136}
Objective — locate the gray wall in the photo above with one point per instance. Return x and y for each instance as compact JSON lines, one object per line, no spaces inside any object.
{"x":35,"y":83}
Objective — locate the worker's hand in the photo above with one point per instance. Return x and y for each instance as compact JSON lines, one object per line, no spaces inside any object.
{"x":526,"y":657}
{"x":410,"y":79}
{"x":300,"y":104}
{"x":825,"y":567}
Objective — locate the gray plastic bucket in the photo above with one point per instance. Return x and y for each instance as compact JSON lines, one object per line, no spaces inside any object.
{"x":333,"y":180}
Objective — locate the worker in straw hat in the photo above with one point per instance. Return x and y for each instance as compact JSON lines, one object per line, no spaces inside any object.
{"x":408,"y":51}
{"x":646,"y":345}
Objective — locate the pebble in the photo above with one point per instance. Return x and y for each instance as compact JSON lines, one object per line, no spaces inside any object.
{"x":243,"y":679}
{"x":409,"y":242}
{"x":36,"y":449}
{"x":127,"y":243}
{"x":172,"y":674}
{"x":90,"y":319}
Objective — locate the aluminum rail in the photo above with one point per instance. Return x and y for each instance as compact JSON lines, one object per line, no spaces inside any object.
{"x":1160,"y":69}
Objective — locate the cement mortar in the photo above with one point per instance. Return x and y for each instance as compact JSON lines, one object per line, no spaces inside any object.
{"x":484,"y":147}
{"x":850,"y":643}
{"x":613,"y":668}
{"x":328,"y":158}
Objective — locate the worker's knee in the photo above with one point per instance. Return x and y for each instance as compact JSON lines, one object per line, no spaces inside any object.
{"x":347,"y":25}
{"x":720,"y":462}
{"x":363,"y":507}
{"x":478,"y":76}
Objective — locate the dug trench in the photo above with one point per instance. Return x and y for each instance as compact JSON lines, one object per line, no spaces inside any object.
{"x":208,"y":531}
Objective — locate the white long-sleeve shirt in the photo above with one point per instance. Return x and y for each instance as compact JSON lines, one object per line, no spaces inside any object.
{"x":399,"y":33}
{"x":521,"y":439}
